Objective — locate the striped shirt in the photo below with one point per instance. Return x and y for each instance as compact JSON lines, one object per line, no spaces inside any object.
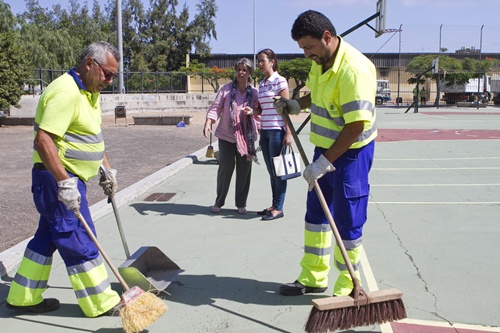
{"x":268,"y":88}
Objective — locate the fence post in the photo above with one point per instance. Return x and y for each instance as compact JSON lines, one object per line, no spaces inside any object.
{"x":156,"y":81}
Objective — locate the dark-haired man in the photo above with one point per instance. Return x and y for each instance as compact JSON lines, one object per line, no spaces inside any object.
{"x":343,"y":85}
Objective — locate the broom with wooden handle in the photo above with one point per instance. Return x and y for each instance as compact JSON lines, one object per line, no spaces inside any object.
{"x":210,"y":150}
{"x":344,"y":312}
{"x":139,"y":308}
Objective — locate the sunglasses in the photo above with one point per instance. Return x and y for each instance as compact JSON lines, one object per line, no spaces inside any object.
{"x":107,"y":74}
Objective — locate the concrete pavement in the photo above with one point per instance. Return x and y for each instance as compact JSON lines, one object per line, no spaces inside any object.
{"x":432,"y":232}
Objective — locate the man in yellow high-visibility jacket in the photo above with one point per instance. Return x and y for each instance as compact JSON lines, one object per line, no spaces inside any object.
{"x":68,"y":151}
{"x":343,"y":87}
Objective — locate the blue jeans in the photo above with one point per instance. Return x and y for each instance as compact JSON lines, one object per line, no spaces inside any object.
{"x":271,"y":142}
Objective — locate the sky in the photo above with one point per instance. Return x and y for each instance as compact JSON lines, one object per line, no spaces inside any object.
{"x":426,"y":25}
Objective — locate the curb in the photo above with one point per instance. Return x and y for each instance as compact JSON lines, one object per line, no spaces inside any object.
{"x":10,"y":259}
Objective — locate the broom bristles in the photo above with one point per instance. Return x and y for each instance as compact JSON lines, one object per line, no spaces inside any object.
{"x":142,"y":312}
{"x":343,"y":318}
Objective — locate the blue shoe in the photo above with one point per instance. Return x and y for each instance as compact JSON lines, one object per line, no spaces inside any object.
{"x":270,"y":216}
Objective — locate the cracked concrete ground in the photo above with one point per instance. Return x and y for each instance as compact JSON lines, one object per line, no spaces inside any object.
{"x":432,"y":232}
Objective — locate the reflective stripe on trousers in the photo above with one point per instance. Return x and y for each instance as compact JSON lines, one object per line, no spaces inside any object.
{"x":346,"y":193}
{"x":59,"y":229}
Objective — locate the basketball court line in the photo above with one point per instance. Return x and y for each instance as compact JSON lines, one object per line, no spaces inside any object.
{"x":434,"y":326}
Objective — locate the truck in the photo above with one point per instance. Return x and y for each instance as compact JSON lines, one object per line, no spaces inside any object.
{"x":476,"y":89}
{"x":383,"y":92}
{"x":495,"y":88}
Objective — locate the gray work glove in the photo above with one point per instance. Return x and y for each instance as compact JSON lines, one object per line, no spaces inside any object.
{"x":316,"y":170}
{"x":108,"y":182}
{"x":291,"y":106}
{"x":68,"y":193}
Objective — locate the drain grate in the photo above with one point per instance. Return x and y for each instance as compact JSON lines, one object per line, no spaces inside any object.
{"x":162,"y":197}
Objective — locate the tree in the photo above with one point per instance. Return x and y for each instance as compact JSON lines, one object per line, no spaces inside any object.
{"x":7,"y":19}
{"x":14,"y":70}
{"x":451,"y":71}
{"x":170,"y":36}
{"x":298,"y":70}
{"x":211,"y":75}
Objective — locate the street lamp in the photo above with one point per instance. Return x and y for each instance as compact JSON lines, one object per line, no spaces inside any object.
{"x":254,"y":37}
{"x":121,"y":87}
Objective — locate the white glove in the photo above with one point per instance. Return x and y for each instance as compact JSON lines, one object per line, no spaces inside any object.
{"x":68,"y":193}
{"x":108,"y":182}
{"x":290,"y":105}
{"x":316,"y":170}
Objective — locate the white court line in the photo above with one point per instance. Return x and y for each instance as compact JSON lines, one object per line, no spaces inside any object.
{"x":431,"y":185}
{"x":372,"y":286}
{"x":447,"y":325}
{"x":443,"y":169}
{"x":387,"y":328}
{"x":438,"y":159}
{"x":434,"y":202}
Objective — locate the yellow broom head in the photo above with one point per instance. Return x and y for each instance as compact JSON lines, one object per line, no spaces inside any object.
{"x":141,"y":311}
{"x":210,"y":152}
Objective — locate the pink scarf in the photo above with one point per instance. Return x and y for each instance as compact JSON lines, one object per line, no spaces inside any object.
{"x":243,"y":126}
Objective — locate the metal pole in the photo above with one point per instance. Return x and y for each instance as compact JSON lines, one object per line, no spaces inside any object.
{"x":481,"y":42}
{"x":438,"y":81}
{"x":254,"y":38}
{"x":399,"y":65}
{"x":479,"y":79}
{"x":121,"y":88}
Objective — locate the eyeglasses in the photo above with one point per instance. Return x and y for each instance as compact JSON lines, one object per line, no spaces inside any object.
{"x":107,"y":74}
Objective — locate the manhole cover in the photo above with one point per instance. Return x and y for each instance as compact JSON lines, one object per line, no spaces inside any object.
{"x":160,"y":197}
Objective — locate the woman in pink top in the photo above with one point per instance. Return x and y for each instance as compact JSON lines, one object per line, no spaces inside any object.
{"x":274,"y":133}
{"x":234,"y":107}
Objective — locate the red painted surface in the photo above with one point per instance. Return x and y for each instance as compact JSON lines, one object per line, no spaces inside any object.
{"x":385,"y":135}
{"x":414,"y":328}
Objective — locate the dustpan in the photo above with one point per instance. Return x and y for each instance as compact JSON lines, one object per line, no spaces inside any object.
{"x":148,"y":268}
{"x":181,"y":123}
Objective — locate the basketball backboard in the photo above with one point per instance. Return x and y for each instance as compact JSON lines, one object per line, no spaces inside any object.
{"x":380,"y":20}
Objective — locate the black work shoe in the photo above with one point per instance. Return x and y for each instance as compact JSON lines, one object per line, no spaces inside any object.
{"x":114,"y":311}
{"x":48,"y":305}
{"x":297,"y":289}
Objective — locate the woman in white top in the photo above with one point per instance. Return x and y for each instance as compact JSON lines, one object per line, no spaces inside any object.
{"x":274,"y":133}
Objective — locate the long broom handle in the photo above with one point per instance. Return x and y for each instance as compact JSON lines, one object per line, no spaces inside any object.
{"x":115,"y":211}
{"x":101,"y":250}
{"x":324,"y":205}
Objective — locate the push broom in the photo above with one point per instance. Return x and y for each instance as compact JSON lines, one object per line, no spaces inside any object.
{"x":359,"y":309}
{"x":139,"y":308}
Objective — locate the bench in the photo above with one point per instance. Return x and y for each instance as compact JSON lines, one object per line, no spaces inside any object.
{"x":469,"y":105}
{"x":161,"y":120}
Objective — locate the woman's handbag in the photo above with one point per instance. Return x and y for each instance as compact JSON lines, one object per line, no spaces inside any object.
{"x":287,"y":164}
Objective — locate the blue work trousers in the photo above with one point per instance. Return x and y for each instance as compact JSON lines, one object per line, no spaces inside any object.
{"x":58,"y":227}
{"x":346,"y":192}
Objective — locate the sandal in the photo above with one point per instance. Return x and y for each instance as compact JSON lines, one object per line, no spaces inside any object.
{"x":215,"y":209}
{"x":242,"y":210}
